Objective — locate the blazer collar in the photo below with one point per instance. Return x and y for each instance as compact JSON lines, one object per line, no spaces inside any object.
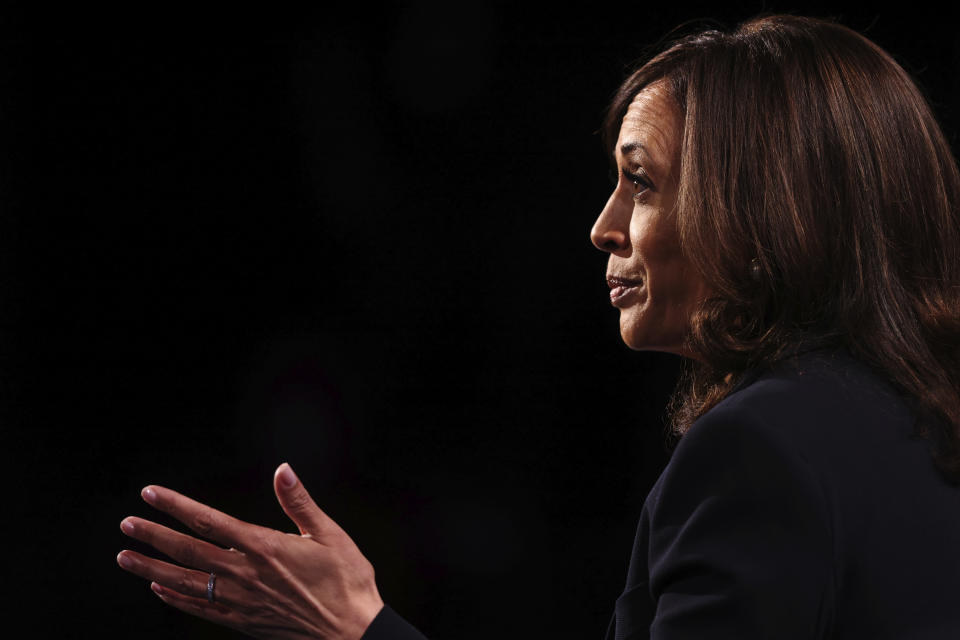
{"x":803,"y":347}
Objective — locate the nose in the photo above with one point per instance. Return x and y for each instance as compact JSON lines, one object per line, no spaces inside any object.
{"x":611,"y":231}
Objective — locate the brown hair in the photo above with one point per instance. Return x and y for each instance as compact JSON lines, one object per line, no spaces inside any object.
{"x":819,"y":199}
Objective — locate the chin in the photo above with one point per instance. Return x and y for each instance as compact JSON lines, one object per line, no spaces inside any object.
{"x":631,"y":342}
{"x":642,"y":341}
{"x":637,"y":342}
{"x":635,"y":334}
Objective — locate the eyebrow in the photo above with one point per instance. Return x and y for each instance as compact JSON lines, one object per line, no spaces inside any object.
{"x":652,"y":166}
{"x":630,"y":147}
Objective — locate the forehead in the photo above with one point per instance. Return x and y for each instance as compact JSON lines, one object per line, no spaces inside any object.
{"x":651,"y":125}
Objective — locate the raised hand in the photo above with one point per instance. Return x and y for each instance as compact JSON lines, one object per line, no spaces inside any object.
{"x":266,"y":583}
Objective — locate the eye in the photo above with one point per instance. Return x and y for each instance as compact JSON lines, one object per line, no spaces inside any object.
{"x":640,"y":181}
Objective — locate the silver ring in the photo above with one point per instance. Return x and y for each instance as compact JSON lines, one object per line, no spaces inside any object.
{"x":212,"y":581}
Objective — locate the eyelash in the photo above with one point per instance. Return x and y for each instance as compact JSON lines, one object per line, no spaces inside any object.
{"x":638,"y":179}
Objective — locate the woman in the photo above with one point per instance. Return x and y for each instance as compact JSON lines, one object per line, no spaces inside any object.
{"x":786,"y":217}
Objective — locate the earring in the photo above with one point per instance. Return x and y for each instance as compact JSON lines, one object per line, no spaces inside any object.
{"x":755,"y":270}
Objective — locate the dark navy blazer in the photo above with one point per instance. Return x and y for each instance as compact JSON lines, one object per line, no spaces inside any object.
{"x":801,"y":506}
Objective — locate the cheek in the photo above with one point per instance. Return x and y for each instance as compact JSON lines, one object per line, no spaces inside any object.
{"x":674,"y":287}
{"x":656,"y":243}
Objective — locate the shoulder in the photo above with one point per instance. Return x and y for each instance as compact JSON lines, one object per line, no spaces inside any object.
{"x":738,"y":527}
{"x":818,"y":406}
{"x":775,"y":443}
{"x":822,"y":431}
{"x":821,"y":380}
{"x":820,"y":428}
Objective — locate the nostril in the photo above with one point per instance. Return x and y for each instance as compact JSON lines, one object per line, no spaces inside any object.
{"x":611,"y":241}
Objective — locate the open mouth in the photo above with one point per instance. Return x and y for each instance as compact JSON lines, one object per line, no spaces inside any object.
{"x":621,"y":288}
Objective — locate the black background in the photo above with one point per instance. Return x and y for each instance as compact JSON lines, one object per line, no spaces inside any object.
{"x":354,"y":240}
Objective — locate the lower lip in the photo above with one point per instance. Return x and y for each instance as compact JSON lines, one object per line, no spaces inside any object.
{"x":620,"y":296}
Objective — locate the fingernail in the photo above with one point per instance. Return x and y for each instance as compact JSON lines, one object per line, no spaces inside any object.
{"x":127,"y":527}
{"x":157,"y":589}
{"x":287,"y":477}
{"x":124,"y":561}
{"x":149,"y":495}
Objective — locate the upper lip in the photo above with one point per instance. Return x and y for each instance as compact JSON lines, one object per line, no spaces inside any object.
{"x":620,"y":281}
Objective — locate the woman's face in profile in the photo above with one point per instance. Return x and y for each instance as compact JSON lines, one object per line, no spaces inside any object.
{"x":652,"y":283}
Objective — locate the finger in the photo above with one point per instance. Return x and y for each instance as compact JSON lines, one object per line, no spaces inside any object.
{"x":298,"y":505}
{"x":181,"y":547}
{"x":206,"y":521}
{"x":212,"y":611}
{"x":184,"y":581}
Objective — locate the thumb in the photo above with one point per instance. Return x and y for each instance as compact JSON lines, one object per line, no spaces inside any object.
{"x":297,"y":503}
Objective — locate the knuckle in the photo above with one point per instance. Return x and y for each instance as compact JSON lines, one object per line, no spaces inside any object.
{"x":147,"y":532}
{"x":203,"y":523}
{"x":188,"y":554}
{"x":184,"y":583}
{"x":299,"y":501}
{"x":245,"y":607}
{"x":245,"y":575}
{"x":367,"y":573}
{"x":268,"y":544}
